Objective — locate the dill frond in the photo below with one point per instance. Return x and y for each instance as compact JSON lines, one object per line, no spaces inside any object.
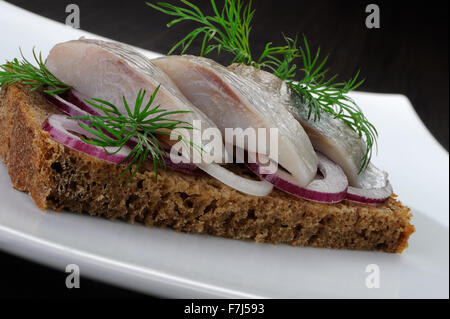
{"x":138,"y":129}
{"x":36,"y":76}
{"x":229,"y":30}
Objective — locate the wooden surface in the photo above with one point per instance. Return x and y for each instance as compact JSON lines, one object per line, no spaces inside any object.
{"x":407,"y":55}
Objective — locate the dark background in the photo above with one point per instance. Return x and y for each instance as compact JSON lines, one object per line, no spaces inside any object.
{"x":408,"y":55}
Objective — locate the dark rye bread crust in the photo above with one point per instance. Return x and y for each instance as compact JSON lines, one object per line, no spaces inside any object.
{"x":60,"y":178}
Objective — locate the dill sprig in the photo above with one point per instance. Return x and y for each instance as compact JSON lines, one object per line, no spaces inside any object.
{"x":138,"y":129}
{"x":226,"y":30}
{"x":229,"y":31}
{"x":284,"y":66}
{"x":36,"y":76}
{"x":322,"y":95}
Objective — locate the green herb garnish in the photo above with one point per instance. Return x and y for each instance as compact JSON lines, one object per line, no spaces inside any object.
{"x":36,"y":76}
{"x":326,"y":96}
{"x":229,"y":30}
{"x":140,"y":126}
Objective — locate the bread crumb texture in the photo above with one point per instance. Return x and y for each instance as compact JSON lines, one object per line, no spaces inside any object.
{"x":60,"y":178}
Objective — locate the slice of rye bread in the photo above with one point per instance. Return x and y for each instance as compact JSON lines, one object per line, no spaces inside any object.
{"x":60,"y":178}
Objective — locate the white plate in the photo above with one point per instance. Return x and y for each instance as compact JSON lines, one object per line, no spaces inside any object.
{"x":166,"y":263}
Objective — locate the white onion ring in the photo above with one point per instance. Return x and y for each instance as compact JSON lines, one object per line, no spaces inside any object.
{"x":331,"y":189}
{"x":242,"y":184}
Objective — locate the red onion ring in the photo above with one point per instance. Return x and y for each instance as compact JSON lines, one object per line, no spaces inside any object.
{"x":73,"y":103}
{"x":60,"y":129}
{"x":375,"y":187}
{"x":65,"y":106}
{"x":331,"y":189}
{"x":369,"y":196}
{"x":77,"y":98}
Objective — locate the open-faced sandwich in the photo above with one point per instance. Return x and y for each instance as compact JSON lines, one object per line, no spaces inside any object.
{"x":242,"y":151}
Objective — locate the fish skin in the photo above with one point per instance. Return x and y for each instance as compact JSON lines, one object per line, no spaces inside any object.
{"x":328,"y":135}
{"x":233,"y":101}
{"x":110,"y":71}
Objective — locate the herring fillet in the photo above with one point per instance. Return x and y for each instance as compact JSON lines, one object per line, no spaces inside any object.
{"x":233,"y":101}
{"x":328,"y":135}
{"x":111,"y":71}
